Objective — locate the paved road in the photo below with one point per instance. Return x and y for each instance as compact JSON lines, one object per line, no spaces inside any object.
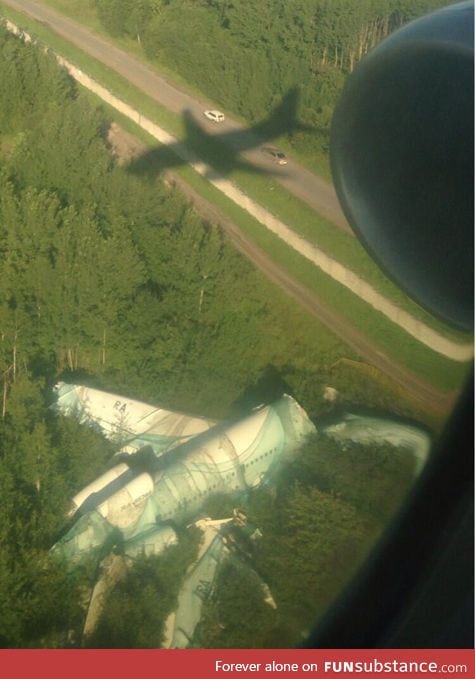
{"x":312,"y":189}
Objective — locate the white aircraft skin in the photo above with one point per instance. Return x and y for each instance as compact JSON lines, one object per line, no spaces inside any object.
{"x":131,"y":423}
{"x":171,"y":488}
{"x":231,"y":461}
{"x":126,"y":420}
{"x":226,"y":461}
{"x":198,"y":583}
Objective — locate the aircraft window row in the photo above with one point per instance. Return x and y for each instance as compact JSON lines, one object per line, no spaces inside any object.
{"x":190,"y":498}
{"x":248,"y":464}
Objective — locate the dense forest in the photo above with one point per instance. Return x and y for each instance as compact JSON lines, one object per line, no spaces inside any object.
{"x":246,"y":56}
{"x":114,"y":280}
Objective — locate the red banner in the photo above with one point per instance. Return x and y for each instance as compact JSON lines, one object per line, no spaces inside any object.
{"x":219,"y":664}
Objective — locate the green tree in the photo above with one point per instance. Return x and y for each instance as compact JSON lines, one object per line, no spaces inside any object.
{"x":137,"y":607}
{"x":374,"y":478}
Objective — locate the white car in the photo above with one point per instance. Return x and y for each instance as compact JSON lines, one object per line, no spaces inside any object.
{"x":215,"y":116}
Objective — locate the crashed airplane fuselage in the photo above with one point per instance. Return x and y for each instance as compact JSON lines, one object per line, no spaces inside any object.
{"x":182,"y":467}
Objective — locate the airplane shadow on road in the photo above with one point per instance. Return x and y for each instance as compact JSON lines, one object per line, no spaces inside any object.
{"x":221,"y":152}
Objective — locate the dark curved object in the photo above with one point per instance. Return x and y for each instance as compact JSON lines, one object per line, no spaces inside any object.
{"x":402,"y":159}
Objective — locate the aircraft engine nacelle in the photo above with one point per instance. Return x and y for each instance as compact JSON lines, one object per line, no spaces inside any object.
{"x":402,"y":159}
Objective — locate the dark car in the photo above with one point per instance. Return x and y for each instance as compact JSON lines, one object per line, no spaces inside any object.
{"x":277,"y":156}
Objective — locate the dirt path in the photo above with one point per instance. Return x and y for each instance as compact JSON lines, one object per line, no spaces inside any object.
{"x":126,"y":147}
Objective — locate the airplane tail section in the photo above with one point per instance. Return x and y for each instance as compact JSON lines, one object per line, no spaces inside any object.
{"x":282,"y":120}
